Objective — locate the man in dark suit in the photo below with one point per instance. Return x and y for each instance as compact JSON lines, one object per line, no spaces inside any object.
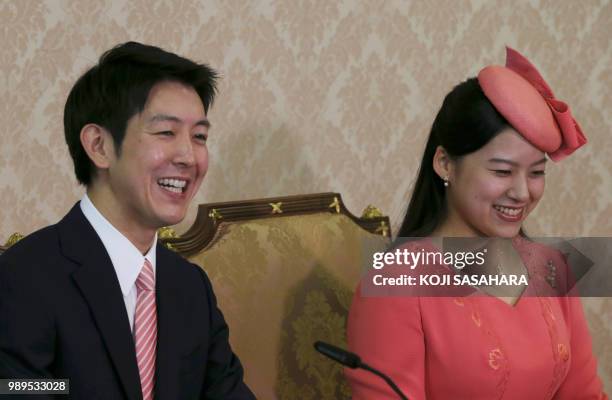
{"x":95,"y":298}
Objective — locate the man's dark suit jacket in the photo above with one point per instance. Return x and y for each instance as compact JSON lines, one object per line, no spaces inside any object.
{"x":62,"y":315}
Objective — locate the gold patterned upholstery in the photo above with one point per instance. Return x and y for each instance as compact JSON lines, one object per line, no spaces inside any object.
{"x":283,"y":283}
{"x":14,"y":238}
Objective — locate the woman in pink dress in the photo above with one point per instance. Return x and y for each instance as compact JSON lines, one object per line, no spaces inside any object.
{"x":481,"y":175}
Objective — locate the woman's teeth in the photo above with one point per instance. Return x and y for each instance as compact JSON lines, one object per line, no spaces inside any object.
{"x":512,"y":212}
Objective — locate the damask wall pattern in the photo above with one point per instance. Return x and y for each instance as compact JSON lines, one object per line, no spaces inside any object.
{"x":316,"y":96}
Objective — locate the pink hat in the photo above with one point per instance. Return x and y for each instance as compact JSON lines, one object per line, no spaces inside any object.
{"x":521,"y":95}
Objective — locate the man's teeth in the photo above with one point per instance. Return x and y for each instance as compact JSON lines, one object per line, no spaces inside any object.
{"x":513,"y":212}
{"x":173,"y":185}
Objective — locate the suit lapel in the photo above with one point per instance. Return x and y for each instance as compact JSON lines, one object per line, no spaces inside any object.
{"x":168,"y":322}
{"x":97,"y":281}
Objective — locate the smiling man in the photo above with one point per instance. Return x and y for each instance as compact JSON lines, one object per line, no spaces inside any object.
{"x":95,"y":298}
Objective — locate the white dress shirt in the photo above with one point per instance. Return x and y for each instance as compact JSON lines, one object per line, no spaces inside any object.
{"x":126,"y":258}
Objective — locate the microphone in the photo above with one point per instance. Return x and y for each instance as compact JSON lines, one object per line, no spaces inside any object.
{"x":353,"y":361}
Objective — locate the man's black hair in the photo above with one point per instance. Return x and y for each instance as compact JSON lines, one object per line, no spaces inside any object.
{"x":117,"y":88}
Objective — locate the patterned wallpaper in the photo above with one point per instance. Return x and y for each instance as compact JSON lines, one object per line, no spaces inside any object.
{"x":316,"y":96}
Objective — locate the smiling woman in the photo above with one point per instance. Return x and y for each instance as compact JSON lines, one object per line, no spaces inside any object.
{"x":481,"y":175}
{"x":492,"y":190}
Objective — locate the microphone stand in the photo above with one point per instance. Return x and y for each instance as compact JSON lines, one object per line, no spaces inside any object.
{"x":352,"y":360}
{"x":386,"y":378}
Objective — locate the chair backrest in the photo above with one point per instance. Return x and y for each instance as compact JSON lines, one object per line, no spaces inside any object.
{"x":284,"y":271}
{"x":14,"y":238}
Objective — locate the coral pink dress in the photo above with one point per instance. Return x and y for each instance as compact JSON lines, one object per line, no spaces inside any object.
{"x":476,"y":347}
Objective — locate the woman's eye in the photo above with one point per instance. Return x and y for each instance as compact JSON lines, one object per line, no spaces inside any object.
{"x":165,"y":133}
{"x":502,"y":172}
{"x":538,"y":173}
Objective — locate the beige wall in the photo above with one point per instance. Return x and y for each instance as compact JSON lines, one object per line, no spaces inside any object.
{"x":316,"y":96}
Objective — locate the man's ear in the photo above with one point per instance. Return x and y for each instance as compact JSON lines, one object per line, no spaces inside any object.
{"x":443,"y":164}
{"x":98,"y":144}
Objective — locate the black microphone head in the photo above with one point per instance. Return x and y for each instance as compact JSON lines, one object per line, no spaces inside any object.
{"x":337,"y":354}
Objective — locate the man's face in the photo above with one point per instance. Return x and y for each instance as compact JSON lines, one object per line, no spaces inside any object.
{"x":162,"y":161}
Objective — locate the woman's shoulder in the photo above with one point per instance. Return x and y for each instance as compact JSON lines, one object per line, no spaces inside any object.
{"x":548,"y":267}
{"x":539,"y":249}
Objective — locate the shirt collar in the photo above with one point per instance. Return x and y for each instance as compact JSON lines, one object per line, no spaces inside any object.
{"x":126,"y":258}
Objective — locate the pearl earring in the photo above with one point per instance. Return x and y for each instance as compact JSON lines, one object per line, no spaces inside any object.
{"x":446,"y":181}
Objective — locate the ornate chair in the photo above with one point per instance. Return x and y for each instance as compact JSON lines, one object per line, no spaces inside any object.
{"x":284,"y":271}
{"x":14,"y":238}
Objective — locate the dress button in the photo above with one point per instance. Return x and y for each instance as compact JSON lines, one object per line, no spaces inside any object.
{"x":494,"y":356}
{"x":563,"y":353}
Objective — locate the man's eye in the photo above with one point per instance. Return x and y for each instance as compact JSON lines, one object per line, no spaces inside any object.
{"x":201,"y":137}
{"x":165,"y":133}
{"x":538,"y":173}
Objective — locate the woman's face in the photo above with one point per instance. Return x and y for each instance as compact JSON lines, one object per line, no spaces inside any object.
{"x":492,"y":191}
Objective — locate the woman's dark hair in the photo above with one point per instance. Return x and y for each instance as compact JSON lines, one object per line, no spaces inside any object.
{"x":466,"y":122}
{"x":118,"y":87}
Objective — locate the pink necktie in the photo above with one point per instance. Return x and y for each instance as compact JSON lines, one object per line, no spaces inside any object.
{"x":145,"y":329}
